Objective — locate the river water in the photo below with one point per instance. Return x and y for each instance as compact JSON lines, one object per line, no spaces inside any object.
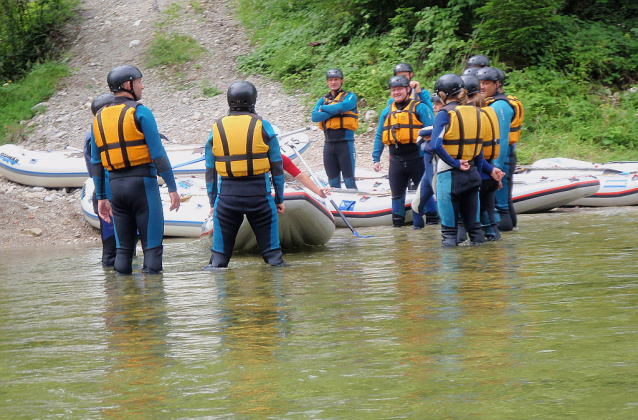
{"x":541,"y":325}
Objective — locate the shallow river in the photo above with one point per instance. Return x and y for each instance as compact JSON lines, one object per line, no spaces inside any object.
{"x":541,"y":325}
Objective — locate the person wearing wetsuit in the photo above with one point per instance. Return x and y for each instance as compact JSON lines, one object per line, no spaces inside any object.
{"x":490,"y":82}
{"x":242,"y":152}
{"x":338,"y":117}
{"x":490,"y":176}
{"x":398,"y":128}
{"x":458,"y":133}
{"x":126,"y":143}
{"x":107,"y":231}
{"x":417,"y":93}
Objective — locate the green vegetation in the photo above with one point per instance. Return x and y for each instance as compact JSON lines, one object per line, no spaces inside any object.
{"x":18,"y":99}
{"x":209,"y":90}
{"x":573,"y":64}
{"x":172,"y":49}
{"x":175,"y":53}
{"x":29,"y":33}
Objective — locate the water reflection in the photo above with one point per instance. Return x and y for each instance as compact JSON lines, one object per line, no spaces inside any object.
{"x":254,"y":326}
{"x":136,"y":319}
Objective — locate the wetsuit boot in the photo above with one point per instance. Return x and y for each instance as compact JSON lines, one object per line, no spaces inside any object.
{"x":153,"y":260}
{"x":109,"y":250}
{"x":505,"y":222}
{"x":273,"y":257}
{"x":124,"y":260}
{"x":417,"y":220}
{"x":432,"y":218}
{"x":217,"y":261}
{"x":449,"y":236}
{"x":398,"y":212}
{"x":461,"y":234}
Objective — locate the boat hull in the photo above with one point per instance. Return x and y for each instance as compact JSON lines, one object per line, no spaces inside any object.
{"x":306,"y":221}
{"x":536,"y":195}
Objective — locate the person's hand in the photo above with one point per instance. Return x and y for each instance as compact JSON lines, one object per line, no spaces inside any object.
{"x":465,"y":165}
{"x":280,"y":208}
{"x":415,"y":85}
{"x":376,"y":166}
{"x":174,"y":201}
{"x":104,"y":210}
{"x":500,"y":185}
{"x":497,"y":174}
{"x":324,"y":192}
{"x":212,"y":209}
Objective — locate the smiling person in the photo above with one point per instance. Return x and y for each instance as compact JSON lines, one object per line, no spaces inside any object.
{"x":126,"y":143}
{"x":338,"y":117}
{"x":417,"y":93}
{"x":398,"y":128}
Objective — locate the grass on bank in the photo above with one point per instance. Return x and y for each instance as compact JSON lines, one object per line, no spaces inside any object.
{"x":18,"y":98}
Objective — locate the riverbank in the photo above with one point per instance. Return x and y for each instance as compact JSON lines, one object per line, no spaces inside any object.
{"x":111,"y":33}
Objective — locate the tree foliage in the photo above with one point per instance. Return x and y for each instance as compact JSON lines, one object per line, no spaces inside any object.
{"x":30,"y":32}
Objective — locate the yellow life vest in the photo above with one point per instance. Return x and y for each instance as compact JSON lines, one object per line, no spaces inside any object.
{"x":463,"y":138}
{"x":517,"y":119}
{"x":239,"y":147}
{"x":401,"y":126}
{"x":491,"y":143}
{"x":348,"y":120}
{"x":119,"y":139}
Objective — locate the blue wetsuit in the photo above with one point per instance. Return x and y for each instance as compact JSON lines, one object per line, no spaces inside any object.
{"x":457,"y":191}
{"x":232,"y":197}
{"x":135,"y":196}
{"x":505,"y":113}
{"x":406,"y":163}
{"x":338,"y":150}
{"x":107,"y":230}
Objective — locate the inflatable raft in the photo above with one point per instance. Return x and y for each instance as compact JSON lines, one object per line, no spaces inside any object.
{"x":67,"y":168}
{"x":618,"y":180}
{"x":533,"y":194}
{"x":306,"y":221}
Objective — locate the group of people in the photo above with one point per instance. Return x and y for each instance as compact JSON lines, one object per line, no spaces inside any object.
{"x":458,"y":144}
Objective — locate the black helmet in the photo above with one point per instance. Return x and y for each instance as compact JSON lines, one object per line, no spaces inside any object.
{"x":471,"y":84}
{"x":470,"y":71}
{"x":435,"y":98}
{"x":334,"y":73}
{"x":101,"y":101}
{"x":121,"y":74}
{"x":242,"y":95}
{"x":478,"y":61}
{"x":399,"y":81}
{"x":449,"y":84}
{"x":402,"y":67}
{"x":501,"y":76}
{"x":488,"y":73}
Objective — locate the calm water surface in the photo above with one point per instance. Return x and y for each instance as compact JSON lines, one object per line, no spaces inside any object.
{"x":542,"y":325}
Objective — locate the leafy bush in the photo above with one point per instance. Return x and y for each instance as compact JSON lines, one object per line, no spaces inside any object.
{"x":30,"y":32}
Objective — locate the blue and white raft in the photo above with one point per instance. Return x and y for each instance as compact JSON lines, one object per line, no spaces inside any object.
{"x":67,"y":168}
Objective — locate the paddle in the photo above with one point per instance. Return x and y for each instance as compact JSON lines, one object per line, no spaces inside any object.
{"x":316,"y":181}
